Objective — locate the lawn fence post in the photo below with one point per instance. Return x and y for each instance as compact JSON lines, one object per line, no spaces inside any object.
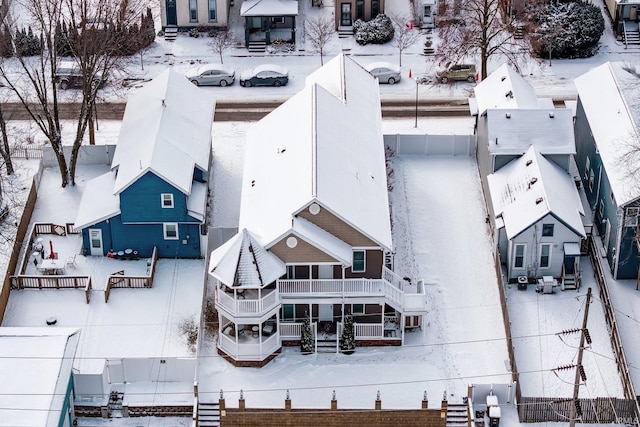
{"x":378,"y":401}
{"x":334,"y":402}
{"x":287,"y":402}
{"x":425,"y":401}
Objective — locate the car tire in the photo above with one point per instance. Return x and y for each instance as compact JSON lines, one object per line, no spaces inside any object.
{"x":277,"y":83}
{"x":444,"y":80}
{"x":471,"y":79}
{"x":247,"y":83}
{"x":223,"y":83}
{"x":391,"y":80}
{"x":64,"y":85}
{"x":195,"y":82}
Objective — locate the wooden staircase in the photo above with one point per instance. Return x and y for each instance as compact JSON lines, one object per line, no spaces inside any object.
{"x":518,"y":32}
{"x":257,"y":46}
{"x":457,"y":415}
{"x":631,"y":34}
{"x":170,"y":33}
{"x":208,"y":414}
{"x":569,"y":281}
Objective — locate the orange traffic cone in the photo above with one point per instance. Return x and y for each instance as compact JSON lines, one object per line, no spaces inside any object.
{"x":410,"y":75}
{"x":477,"y":76}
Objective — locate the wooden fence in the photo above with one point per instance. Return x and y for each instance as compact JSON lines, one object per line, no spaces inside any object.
{"x":120,"y":280}
{"x":601,"y":410}
{"x":53,"y":282}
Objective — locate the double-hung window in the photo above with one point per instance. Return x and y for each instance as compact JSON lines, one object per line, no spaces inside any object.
{"x":167,"y":200}
{"x":359,"y":262}
{"x":518,"y":255}
{"x":170,"y":230}
{"x":212,"y":10}
{"x":545,"y":255}
{"x":193,"y":10}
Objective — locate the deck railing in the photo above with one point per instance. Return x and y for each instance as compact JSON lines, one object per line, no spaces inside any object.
{"x":252,"y":350}
{"x":120,"y":280}
{"x":53,"y":282}
{"x":290,"y":330}
{"x":368,"y":330}
{"x":247,"y":306}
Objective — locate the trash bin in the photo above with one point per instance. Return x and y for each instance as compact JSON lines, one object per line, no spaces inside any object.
{"x":494,"y":416}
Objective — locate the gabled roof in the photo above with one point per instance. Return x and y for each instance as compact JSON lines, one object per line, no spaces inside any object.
{"x":530,"y":188}
{"x":98,"y":202}
{"x":166,"y":129}
{"x":610,"y":98}
{"x":513,"y":131}
{"x":269,"y":8}
{"x":324,"y":144}
{"x":504,"y":88}
{"x":323,"y":240}
{"x":243,"y":262}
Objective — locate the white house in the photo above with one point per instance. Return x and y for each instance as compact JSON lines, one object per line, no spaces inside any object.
{"x":315,"y":226}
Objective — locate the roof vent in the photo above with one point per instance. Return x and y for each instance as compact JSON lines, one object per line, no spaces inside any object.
{"x":503,"y":78}
{"x":533,"y":180}
{"x":529,"y":162}
{"x":509,"y":94}
{"x":551,"y":114}
{"x":280,"y":151}
{"x":508,"y":115}
{"x":253,"y":183}
{"x":538,"y":200}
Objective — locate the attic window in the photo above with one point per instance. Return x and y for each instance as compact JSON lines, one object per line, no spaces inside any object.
{"x":167,"y":200}
{"x":509,"y":94}
{"x":529,"y":162}
{"x":538,"y":200}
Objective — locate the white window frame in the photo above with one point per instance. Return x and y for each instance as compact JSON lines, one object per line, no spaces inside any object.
{"x":166,"y":197}
{"x":212,"y":8}
{"x":515,"y":254}
{"x":631,"y":216}
{"x":364,"y":261}
{"x":193,"y":10}
{"x":542,"y":246}
{"x":166,"y":226}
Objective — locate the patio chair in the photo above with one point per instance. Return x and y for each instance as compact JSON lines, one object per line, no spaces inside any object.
{"x":71,"y":262}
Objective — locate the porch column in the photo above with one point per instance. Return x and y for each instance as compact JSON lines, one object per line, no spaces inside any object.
{"x":247,"y":21}
{"x":402,"y":324}
{"x":267,"y":32}
{"x":293,"y":30}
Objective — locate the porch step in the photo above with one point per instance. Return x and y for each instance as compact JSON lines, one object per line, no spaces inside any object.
{"x":258,"y":46}
{"x":208,"y":414}
{"x":457,"y":415}
{"x":170,"y":33}
{"x":327,"y":346}
{"x":518,"y":32}
{"x":345,"y":32}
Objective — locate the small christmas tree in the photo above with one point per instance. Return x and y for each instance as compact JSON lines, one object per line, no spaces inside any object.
{"x":306,"y":338}
{"x":348,"y":338}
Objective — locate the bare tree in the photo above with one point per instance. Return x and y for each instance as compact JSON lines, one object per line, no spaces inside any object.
{"x":320,"y":30}
{"x":96,"y":42}
{"x":5,"y":149}
{"x":220,"y":42}
{"x":405,"y":34}
{"x":478,"y":28}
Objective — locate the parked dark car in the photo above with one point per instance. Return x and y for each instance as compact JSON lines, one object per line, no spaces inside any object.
{"x":69,"y":75}
{"x":265,"y":75}
{"x":212,"y":75}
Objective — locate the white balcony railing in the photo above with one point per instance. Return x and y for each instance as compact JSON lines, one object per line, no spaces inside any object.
{"x":368,"y":330}
{"x":248,"y":305}
{"x":248,"y":348}
{"x":290,"y":330}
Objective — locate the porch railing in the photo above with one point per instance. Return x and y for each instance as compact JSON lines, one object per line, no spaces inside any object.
{"x":250,"y":350}
{"x":290,"y":330}
{"x":247,"y":306}
{"x":368,"y":330}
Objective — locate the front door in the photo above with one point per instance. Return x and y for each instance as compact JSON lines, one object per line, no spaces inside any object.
{"x":325,"y":312}
{"x":95,"y":240}
{"x":171,"y":12}
{"x":359,"y":9}
{"x":345,"y":14}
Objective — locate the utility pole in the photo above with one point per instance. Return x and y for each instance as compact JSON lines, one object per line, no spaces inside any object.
{"x":574,"y":412}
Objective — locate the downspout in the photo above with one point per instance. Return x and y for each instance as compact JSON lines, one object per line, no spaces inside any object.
{"x":594,"y":208}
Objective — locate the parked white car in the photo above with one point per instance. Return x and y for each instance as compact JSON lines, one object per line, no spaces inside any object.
{"x":386,"y":72}
{"x":212,"y":75}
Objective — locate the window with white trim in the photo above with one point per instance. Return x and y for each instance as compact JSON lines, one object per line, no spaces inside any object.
{"x":167,"y":200}
{"x":359,"y":262}
{"x":547,"y":230}
{"x":545,"y":255}
{"x":631,"y":216}
{"x":357,"y":308}
{"x":288,"y":313}
{"x":518,"y":255}
{"x":170,"y":231}
{"x":193,"y":10}
{"x":212,"y":10}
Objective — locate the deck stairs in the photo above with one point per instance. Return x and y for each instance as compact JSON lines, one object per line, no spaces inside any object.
{"x":518,"y":32}
{"x":631,"y":34}
{"x":457,"y":415}
{"x":345,"y":32}
{"x":569,"y":281}
{"x":208,"y":414}
{"x":170,"y":33}
{"x":257,"y":46}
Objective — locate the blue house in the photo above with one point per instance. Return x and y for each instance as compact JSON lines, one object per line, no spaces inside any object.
{"x":155,"y":194}
{"x":606,"y":131}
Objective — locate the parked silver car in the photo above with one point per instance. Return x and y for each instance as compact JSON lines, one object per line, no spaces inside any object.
{"x":212,"y":75}
{"x":386,"y":72}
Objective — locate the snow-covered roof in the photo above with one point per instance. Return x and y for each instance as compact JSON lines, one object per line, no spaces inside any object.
{"x":98,"y":202}
{"x":531,"y":187}
{"x":35,"y":366}
{"x":324,"y":144}
{"x":243,"y":262}
{"x":323,"y":240}
{"x":166,"y":129}
{"x":504,"y":88}
{"x":610,"y":98}
{"x":513,"y":131}
{"x":269,"y":8}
